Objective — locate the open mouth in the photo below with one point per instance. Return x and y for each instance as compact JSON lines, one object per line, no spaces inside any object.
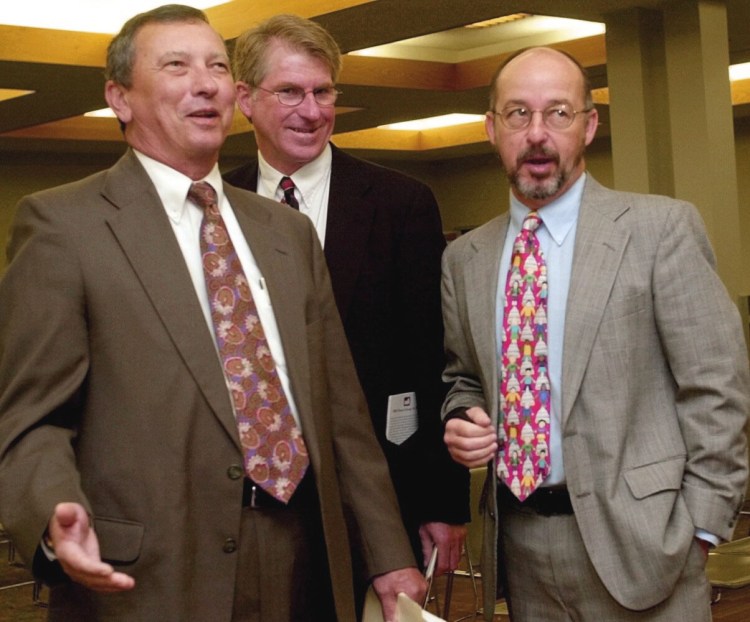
{"x":204,"y":114}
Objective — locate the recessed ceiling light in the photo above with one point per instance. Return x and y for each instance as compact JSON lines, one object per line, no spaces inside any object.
{"x":446,"y":120}
{"x":82,"y":15}
{"x":739,"y":72}
{"x":101,"y":113}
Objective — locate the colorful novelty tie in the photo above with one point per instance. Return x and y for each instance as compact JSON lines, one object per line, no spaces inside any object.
{"x":523,"y":461}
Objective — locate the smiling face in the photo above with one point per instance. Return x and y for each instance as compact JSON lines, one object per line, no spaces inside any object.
{"x":180,"y":104}
{"x":289,"y":136}
{"x":541,"y":163}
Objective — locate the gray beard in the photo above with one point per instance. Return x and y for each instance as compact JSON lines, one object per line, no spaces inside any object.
{"x":538,"y":189}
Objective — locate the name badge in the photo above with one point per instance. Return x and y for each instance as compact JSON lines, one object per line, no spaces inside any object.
{"x":402,"y":420}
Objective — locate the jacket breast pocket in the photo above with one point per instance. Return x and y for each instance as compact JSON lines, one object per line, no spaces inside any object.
{"x":622,"y":307}
{"x":120,"y":541}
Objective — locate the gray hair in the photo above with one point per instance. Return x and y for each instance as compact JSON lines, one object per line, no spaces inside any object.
{"x":121,"y":50}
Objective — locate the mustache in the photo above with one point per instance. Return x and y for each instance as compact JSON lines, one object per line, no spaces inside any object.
{"x":537,"y":153}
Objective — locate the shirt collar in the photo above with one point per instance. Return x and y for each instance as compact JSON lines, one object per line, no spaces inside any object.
{"x":172,"y":186}
{"x":558,"y":217}
{"x":306,"y":178}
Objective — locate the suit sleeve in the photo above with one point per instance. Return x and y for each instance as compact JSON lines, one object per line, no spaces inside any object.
{"x":701,"y":334}
{"x":43,"y":366}
{"x":441,"y":485}
{"x":461,"y":371}
{"x":361,"y":468}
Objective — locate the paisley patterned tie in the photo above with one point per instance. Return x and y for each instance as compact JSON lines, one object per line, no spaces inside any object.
{"x":287,"y":185}
{"x":274,"y":450}
{"x":523,"y":461}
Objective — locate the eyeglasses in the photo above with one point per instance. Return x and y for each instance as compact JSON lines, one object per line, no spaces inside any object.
{"x":294,"y":96}
{"x":555,"y":117}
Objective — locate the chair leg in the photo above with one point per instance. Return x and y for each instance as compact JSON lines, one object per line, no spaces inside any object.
{"x":448,"y":594}
{"x":477,"y":608}
{"x":36,"y":595}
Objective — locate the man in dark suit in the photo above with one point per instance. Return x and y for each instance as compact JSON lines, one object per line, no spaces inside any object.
{"x":382,"y":237}
{"x":125,"y":480}
{"x":645,"y":396}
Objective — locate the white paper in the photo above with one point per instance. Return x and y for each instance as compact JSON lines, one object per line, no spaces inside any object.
{"x":409,"y":611}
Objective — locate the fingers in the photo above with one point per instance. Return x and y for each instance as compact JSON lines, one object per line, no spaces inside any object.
{"x":96,"y":576}
{"x":77,"y":549}
{"x":704,"y":546}
{"x":452,"y":549}
{"x":387,"y":586}
{"x":471,"y":443}
{"x":449,"y":540}
{"x":69,"y":516}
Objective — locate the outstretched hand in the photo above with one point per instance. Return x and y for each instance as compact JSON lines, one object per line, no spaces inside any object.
{"x":77,"y":549}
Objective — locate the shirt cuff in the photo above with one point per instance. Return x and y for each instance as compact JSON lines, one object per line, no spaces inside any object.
{"x":706,"y":536}
{"x":47,"y":549}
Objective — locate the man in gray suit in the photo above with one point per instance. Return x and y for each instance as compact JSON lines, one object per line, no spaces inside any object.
{"x":646,"y":362}
{"x":125,"y":481}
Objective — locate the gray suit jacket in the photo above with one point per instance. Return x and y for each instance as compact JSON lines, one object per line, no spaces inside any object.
{"x":655,"y":384}
{"x":111,"y":395}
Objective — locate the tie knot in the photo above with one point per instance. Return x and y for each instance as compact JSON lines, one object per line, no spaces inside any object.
{"x":287,"y":185}
{"x":531,"y":222}
{"x":202,"y":194}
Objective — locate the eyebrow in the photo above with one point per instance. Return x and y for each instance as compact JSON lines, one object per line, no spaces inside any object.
{"x":552,"y":102}
{"x":183,"y":54}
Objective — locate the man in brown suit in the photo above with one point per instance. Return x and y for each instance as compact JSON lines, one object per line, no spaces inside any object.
{"x":121,"y":469}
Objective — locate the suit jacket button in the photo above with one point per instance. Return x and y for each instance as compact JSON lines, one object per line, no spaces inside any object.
{"x":230,"y":546}
{"x":235,"y":471}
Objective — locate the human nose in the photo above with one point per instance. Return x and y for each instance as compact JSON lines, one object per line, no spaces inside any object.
{"x":537,"y":129}
{"x":308,"y":107}
{"x":205,"y":82}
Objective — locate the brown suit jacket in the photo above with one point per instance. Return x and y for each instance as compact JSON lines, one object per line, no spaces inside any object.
{"x":111,"y":395}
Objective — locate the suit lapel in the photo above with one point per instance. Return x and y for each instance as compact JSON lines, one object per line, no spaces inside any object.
{"x":599,"y":248}
{"x":350,"y":218}
{"x":481,"y":274}
{"x":143,"y":231}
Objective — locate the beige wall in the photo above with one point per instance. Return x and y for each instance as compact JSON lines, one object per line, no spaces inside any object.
{"x":24,"y":173}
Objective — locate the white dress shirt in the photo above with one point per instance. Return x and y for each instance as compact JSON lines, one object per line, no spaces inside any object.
{"x":185,"y":218}
{"x":312,"y":182}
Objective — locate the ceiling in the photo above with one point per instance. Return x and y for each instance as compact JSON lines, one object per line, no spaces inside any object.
{"x":431,"y":76}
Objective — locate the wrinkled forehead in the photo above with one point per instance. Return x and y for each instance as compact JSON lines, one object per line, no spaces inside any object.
{"x":162,"y":37}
